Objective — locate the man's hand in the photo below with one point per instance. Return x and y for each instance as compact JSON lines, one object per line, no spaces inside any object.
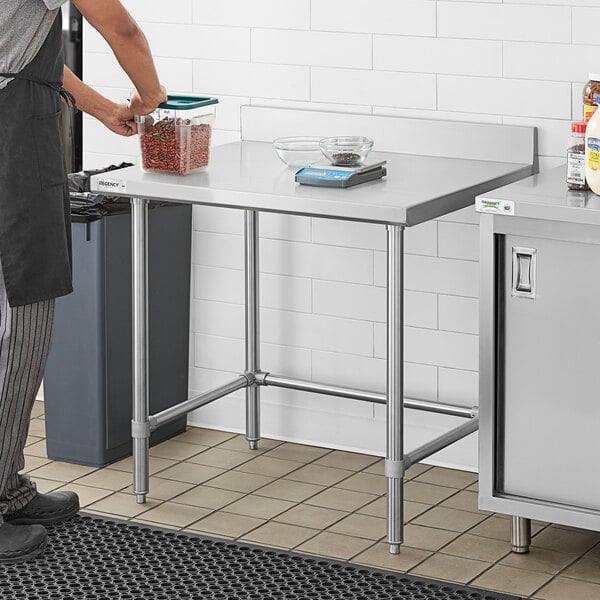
{"x":120,"y":119}
{"x":144,"y":106}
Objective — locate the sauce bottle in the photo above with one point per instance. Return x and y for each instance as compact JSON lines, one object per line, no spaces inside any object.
{"x":592,"y":151}
{"x":590,"y":90}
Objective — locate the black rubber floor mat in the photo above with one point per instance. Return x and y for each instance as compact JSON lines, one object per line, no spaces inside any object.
{"x":92,"y":558}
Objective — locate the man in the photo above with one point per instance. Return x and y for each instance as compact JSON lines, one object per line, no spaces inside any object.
{"x":35,"y":230}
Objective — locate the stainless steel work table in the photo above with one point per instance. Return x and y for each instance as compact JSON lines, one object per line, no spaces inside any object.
{"x":248,"y":175}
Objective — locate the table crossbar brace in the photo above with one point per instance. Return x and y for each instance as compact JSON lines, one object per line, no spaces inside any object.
{"x":342,"y":392}
{"x":441,"y":442}
{"x":173,"y":412}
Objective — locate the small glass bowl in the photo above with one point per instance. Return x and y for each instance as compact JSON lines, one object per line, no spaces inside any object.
{"x":299,"y":151}
{"x":346,"y":151}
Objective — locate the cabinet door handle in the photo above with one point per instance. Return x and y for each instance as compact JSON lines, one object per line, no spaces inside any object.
{"x":523,"y":272}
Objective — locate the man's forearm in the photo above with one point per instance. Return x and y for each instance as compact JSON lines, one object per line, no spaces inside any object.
{"x":88,"y":100}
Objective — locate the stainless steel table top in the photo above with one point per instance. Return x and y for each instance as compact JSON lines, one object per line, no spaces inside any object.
{"x":546,"y":196}
{"x":250,"y":175}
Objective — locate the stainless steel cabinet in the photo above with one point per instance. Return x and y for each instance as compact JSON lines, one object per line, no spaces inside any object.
{"x":540,"y":370}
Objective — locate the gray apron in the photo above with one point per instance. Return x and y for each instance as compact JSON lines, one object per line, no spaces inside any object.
{"x":35,"y":216}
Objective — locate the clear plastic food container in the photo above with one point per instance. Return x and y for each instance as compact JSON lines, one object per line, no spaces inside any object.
{"x":175,"y":138}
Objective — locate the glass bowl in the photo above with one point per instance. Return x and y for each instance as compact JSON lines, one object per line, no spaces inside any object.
{"x":299,"y":151}
{"x":346,"y":151}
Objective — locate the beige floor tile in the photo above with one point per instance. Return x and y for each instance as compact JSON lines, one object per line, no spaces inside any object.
{"x":175,"y":450}
{"x":60,"y":471}
{"x":320,"y":475}
{"x":239,"y":481}
{"x":226,"y":524}
{"x":474,"y":487}
{"x":478,"y":548}
{"x":47,"y":485}
{"x":379,"y":556}
{"x":340,"y":499}
{"x":32,"y":439}
{"x":298,"y":452}
{"x":563,"y":588}
{"x":539,"y":559}
{"x":107,"y":479}
{"x":37,"y":410}
{"x":34,"y":462}
{"x":377,"y":468}
{"x":240,"y":444}
{"x":37,"y":427}
{"x":448,"y":477}
{"x":498,"y":528}
{"x":347,"y":460}
{"x":123,"y":504}
{"x":417,"y":470}
{"x":208,"y":497}
{"x":450,"y":568}
{"x":449,"y":518}
{"x":564,"y":540}
{"x":594,"y":552}
{"x":37,"y":448}
{"x":364,"y":482}
{"x":156,"y":464}
{"x":315,"y":517}
{"x":280,"y":535}
{"x":361,"y":526}
{"x":271,"y":467}
{"x":217,"y":457}
{"x":427,"y":538}
{"x":204,"y":437}
{"x":586,"y":568}
{"x":425,"y":492}
{"x":191,"y":473}
{"x":464,"y":500}
{"x":285,"y":489}
{"x":259,"y":506}
{"x":179,"y":515}
{"x":87,"y":495}
{"x":511,"y":581}
{"x":335,"y":545}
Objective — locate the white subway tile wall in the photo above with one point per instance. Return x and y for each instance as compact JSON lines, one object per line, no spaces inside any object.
{"x":322,"y":288}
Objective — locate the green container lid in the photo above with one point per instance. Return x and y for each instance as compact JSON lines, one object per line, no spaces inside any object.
{"x":187,"y":102}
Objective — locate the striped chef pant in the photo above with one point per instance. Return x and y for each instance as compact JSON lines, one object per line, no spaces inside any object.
{"x":25,"y":334}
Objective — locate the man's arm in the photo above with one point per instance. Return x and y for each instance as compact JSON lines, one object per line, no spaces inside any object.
{"x":131,"y":49}
{"x":117,"y":117}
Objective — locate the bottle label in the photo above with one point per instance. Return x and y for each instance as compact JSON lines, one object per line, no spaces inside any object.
{"x":588,"y":111}
{"x":576,"y":168}
{"x":593,"y":153}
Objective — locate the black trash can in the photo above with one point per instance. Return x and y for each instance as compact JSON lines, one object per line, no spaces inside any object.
{"x":88,"y":378}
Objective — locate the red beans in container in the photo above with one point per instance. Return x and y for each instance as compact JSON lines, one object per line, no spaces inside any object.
{"x":175,"y":138}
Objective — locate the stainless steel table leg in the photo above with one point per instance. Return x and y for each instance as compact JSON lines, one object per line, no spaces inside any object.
{"x":520,"y":535}
{"x":394,"y":465}
{"x":140,"y":426}
{"x":252,"y":326}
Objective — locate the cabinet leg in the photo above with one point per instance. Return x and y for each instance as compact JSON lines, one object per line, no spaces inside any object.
{"x":520,"y":535}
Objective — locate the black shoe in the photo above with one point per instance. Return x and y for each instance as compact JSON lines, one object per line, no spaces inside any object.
{"x":18,"y":544}
{"x":45,"y":509}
